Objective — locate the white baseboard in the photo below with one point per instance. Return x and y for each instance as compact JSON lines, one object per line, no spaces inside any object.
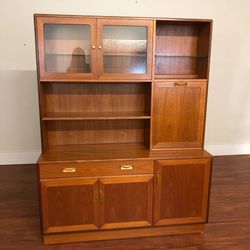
{"x":31,"y":157}
{"x":19,"y":158}
{"x":228,"y":149}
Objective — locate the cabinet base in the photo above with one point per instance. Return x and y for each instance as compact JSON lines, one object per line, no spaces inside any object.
{"x":122,"y":234}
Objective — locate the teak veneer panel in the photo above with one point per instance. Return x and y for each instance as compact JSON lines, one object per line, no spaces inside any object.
{"x":95,"y":132}
{"x":96,"y":97}
{"x":69,"y":205}
{"x":181,"y":191}
{"x":95,"y":169}
{"x":123,"y":233}
{"x":57,"y":116}
{"x":178,"y":114}
{"x":113,"y":152}
{"x":181,"y":48}
{"x":126,"y":201}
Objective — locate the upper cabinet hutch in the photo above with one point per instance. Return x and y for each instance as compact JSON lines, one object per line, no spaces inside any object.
{"x":122,"y":109}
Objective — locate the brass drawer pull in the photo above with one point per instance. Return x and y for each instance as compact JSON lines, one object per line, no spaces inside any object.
{"x":126,"y":167}
{"x":101,"y":195}
{"x":176,"y":84}
{"x":69,"y":170}
{"x":158,"y":179}
{"x":96,"y":195}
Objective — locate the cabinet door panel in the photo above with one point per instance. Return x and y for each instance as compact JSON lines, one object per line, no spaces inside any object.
{"x":178,"y":114}
{"x":69,"y":204}
{"x":125,"y":48}
{"x":65,"y":47}
{"x":126,"y":201}
{"x":181,"y":191}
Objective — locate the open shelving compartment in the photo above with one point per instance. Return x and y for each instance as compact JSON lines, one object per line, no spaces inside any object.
{"x":182,"y":49}
{"x":90,"y":115}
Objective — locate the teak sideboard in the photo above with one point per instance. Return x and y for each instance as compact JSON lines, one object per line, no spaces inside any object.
{"x":122,"y":109}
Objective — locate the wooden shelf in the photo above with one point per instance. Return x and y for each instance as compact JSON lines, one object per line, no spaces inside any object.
{"x":65,"y":54}
{"x":127,"y":54}
{"x":115,"y":151}
{"x":75,"y":80}
{"x":178,"y":76}
{"x":64,"y":116}
{"x":181,"y":56}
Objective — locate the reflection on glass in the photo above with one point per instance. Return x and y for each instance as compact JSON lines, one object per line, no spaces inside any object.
{"x":67,"y":48}
{"x":125,"y":49}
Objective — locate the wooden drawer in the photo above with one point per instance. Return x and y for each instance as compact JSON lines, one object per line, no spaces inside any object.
{"x":93,"y":169}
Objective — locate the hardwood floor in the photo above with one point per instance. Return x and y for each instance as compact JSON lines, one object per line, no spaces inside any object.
{"x":228,"y":227}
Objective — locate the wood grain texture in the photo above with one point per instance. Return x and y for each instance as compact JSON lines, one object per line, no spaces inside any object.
{"x":123,"y":234}
{"x":127,"y":201}
{"x":96,"y":97}
{"x":228,"y":227}
{"x":114,"y":152}
{"x":94,"y":169}
{"x":181,"y":191}
{"x":178,"y":114}
{"x":78,"y":116}
{"x":181,"y":48}
{"x":95,"y":132}
{"x":69,"y":205}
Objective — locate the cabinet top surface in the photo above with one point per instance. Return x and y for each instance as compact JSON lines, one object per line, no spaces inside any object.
{"x":125,"y":17}
{"x":123,"y":151}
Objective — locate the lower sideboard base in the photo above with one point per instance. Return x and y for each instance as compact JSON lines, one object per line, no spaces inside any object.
{"x":122,"y":234}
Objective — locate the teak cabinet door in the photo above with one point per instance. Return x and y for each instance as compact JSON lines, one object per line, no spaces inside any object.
{"x":181,"y":191}
{"x":69,"y":204}
{"x":178,"y":114}
{"x":126,"y":201}
{"x":124,"y":48}
{"x":66,"y":48}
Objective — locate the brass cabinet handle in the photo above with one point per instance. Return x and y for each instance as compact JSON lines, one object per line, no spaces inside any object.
{"x":96,"y":194}
{"x":93,"y":47}
{"x":126,"y":167}
{"x":69,"y":170}
{"x":180,"y":84}
{"x":99,"y":47}
{"x":101,"y":195}
{"x":158,"y":179}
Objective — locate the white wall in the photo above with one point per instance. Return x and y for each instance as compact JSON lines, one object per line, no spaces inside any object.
{"x":228,"y":117}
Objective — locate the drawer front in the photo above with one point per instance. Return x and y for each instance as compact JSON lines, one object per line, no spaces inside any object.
{"x":92,"y":169}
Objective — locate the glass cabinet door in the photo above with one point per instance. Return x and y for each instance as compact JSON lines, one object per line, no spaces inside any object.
{"x":124,"y":48}
{"x":67,"y":48}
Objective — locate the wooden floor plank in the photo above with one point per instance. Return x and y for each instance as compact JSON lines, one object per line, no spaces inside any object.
{"x":228,"y":227}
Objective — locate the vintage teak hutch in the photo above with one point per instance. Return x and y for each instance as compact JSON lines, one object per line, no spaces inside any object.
{"x":122,"y":109}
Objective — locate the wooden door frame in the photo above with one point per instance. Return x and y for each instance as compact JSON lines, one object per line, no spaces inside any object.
{"x":125,"y":22}
{"x":148,"y":179}
{"x":157,"y":192}
{"x":46,"y":183}
{"x":202,"y":84}
{"x":40,"y":21}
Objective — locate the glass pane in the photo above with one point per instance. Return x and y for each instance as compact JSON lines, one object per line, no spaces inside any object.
{"x":67,"y":48}
{"x":125,"y":49}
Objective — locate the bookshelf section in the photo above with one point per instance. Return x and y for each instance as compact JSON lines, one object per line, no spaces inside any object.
{"x":181,"y":49}
{"x":96,"y":132}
